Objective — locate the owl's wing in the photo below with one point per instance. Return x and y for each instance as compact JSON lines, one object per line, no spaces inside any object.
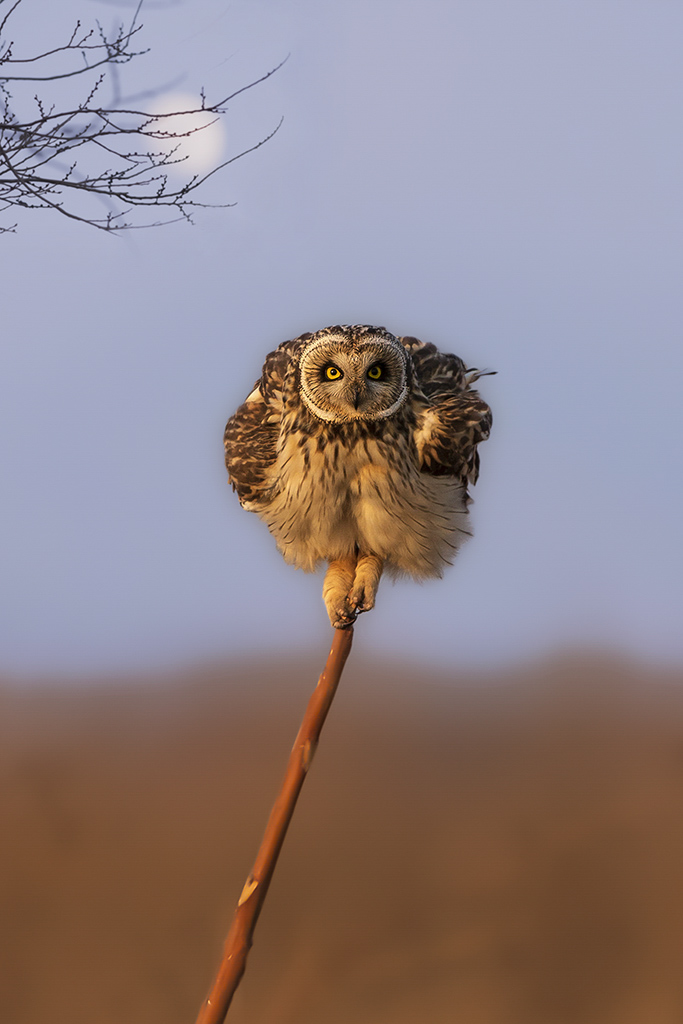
{"x":453,"y":419}
{"x":252,"y":435}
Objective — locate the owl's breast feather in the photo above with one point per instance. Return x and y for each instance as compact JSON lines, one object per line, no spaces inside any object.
{"x":330,"y":501}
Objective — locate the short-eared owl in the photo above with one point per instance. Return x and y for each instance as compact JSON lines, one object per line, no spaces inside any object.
{"x":356,"y":448}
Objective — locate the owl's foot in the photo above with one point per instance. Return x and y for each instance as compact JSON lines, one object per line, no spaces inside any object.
{"x":362,"y":595}
{"x":338,"y":582}
{"x":350,"y":588}
{"x":343,"y":616}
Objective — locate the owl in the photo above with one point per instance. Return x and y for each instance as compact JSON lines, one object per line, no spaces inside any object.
{"x":356,"y":448}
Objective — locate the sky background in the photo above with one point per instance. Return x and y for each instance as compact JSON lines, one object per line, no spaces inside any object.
{"x":500,"y":178}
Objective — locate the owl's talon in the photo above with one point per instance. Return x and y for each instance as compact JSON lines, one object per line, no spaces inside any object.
{"x":345,"y":625}
{"x":344,"y":617}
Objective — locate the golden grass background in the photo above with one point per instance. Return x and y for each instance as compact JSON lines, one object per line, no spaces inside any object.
{"x":486,"y":849}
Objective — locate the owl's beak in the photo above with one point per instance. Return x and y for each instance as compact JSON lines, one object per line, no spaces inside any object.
{"x":355,"y":397}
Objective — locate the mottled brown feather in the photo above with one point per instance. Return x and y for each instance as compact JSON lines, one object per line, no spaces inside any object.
{"x":459,"y":419}
{"x":252,"y":434}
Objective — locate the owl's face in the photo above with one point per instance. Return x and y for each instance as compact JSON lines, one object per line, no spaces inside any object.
{"x":353,"y":373}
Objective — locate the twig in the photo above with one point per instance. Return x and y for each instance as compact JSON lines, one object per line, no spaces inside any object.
{"x":60,"y":156}
{"x":240,"y":936}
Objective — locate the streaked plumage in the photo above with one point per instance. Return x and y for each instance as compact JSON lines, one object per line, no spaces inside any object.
{"x":356,"y":448}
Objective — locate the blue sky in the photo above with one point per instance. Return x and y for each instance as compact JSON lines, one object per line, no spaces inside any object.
{"x":503,"y":179}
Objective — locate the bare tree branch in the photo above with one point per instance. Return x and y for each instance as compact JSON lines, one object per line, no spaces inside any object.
{"x":59,"y":157}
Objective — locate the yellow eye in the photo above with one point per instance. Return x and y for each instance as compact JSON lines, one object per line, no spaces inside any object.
{"x":333,"y":373}
{"x":375,"y":372}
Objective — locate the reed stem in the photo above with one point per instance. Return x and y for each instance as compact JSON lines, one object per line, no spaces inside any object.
{"x":241,"y":933}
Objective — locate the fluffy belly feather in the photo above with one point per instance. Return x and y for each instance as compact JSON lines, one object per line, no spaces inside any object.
{"x":370,"y":498}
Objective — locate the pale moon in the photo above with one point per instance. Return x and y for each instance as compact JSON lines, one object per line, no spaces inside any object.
{"x":199,"y":152}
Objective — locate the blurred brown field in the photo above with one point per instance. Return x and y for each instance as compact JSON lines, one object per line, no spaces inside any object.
{"x":500,"y":849}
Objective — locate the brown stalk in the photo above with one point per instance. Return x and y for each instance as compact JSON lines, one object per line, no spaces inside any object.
{"x":240,"y":937}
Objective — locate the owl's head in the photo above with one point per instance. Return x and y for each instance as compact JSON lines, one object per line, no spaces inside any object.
{"x":353,"y":373}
